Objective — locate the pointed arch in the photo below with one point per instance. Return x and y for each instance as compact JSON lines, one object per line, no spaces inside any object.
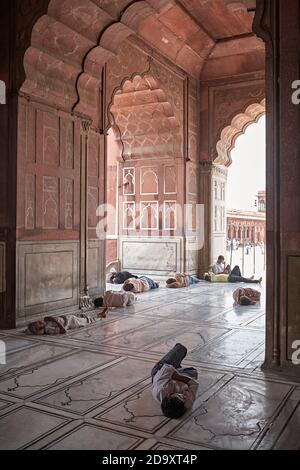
{"x":238,"y":126}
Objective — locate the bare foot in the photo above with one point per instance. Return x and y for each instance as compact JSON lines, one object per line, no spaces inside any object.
{"x":103,"y":313}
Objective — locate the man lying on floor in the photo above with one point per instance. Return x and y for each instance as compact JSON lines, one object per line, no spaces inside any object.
{"x":181,"y":280}
{"x":140,"y":284}
{"x":113,"y":299}
{"x":60,"y":325}
{"x":120,"y":277}
{"x":234,"y":277}
{"x":247,"y":296}
{"x":173,"y":386}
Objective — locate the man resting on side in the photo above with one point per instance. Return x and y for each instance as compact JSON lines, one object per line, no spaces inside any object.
{"x":60,"y":325}
{"x":120,"y":277}
{"x":246,"y":296}
{"x":114,"y":299}
{"x":141,"y":284}
{"x":173,"y":386}
{"x":181,"y":280}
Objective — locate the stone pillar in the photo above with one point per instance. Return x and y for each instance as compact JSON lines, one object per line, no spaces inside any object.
{"x":218,"y":234}
{"x":205,"y":199}
{"x":278,"y":23}
{"x":8,"y":157}
{"x":85,"y":300}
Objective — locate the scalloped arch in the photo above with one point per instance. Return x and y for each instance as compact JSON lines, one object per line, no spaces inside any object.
{"x":238,"y":126}
{"x":144,"y":117}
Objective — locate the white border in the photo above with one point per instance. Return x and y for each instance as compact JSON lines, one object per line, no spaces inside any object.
{"x":134,"y":216}
{"x":141,"y":215}
{"x":141,"y":180}
{"x":134,"y":181}
{"x":175,"y":214}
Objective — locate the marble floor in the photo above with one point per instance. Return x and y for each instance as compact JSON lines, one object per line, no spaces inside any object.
{"x":91,"y":389}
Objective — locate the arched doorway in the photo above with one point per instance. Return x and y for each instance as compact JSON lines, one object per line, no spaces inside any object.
{"x":64,"y":68}
{"x":222,"y":163}
{"x":246,"y":184}
{"x":147,"y":162}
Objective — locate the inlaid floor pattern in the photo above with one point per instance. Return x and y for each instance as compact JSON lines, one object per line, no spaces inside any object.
{"x":91,"y":389}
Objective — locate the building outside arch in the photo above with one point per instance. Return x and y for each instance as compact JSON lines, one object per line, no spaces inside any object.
{"x":141,"y":103}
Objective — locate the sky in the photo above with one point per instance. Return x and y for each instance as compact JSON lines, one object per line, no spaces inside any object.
{"x":247,"y":174}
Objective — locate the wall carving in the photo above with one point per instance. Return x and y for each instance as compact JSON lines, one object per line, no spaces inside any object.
{"x":170,"y":216}
{"x":226,"y":101}
{"x":170,"y":180}
{"x":28,"y":12}
{"x":149,"y":180}
{"x":48,"y":172}
{"x":30,"y":210}
{"x":237,"y":127}
{"x":149,"y":215}
{"x":50,"y":203}
{"x":129,"y":216}
{"x":146,"y":119}
{"x":128,"y":181}
{"x":69,"y":204}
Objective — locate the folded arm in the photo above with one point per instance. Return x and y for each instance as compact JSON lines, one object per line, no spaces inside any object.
{"x":182,"y":378}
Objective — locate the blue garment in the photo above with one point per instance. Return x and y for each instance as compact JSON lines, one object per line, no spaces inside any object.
{"x":151,"y":283}
{"x":193,"y":280}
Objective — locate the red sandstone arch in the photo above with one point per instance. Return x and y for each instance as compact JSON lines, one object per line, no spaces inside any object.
{"x":145,"y":119}
{"x":237,"y":127}
{"x":75,"y":38}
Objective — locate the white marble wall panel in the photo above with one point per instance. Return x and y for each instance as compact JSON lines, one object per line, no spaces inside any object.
{"x":47,"y":277}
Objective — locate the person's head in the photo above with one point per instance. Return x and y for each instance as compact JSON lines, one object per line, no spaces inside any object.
{"x":207,"y":278}
{"x":112,"y":277}
{"x":221,"y":259}
{"x":128,"y":287}
{"x":37,"y":327}
{"x":171,"y":280}
{"x":98,"y":302}
{"x":173,"y":407}
{"x":245,"y":301}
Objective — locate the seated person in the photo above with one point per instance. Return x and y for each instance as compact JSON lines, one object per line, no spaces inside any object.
{"x":174,"y":387}
{"x":114,"y":299}
{"x":181,"y":280}
{"x":120,"y":277}
{"x":234,"y":277}
{"x":140,"y":284}
{"x":220,"y":266}
{"x":246,"y":296}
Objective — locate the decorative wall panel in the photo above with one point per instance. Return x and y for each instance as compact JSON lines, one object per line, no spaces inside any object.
{"x":170,"y":216}
{"x":48,"y":174}
{"x":50,"y":202}
{"x":166,"y":255}
{"x":149,"y":215}
{"x":30,"y":209}
{"x":129,"y":216}
{"x":149,"y":180}
{"x":47,"y":277}
{"x":96,"y":266}
{"x":170,"y":183}
{"x":128,"y":181}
